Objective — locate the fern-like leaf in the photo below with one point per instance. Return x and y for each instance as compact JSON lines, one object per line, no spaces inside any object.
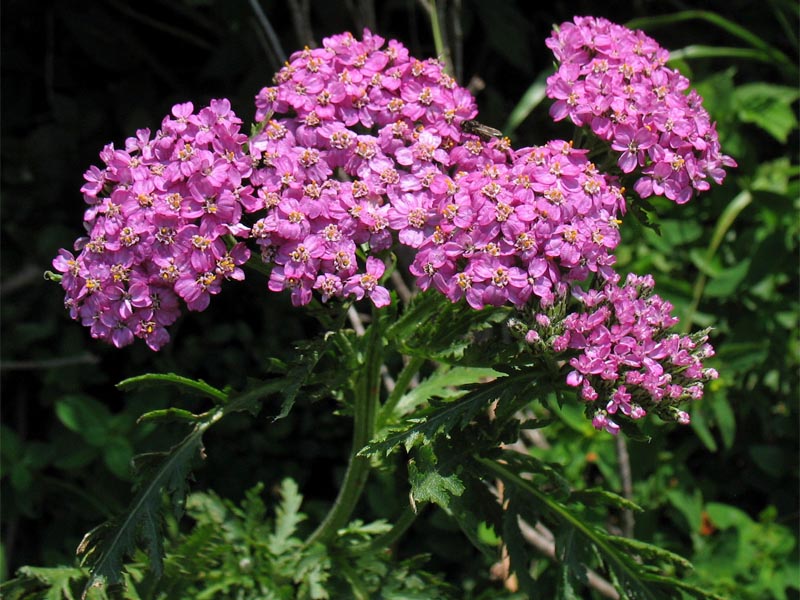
{"x":441,"y":419}
{"x":103,"y":549}
{"x":632,"y":579}
{"x":437,"y":329}
{"x":429,"y":483}
{"x":287,"y":518}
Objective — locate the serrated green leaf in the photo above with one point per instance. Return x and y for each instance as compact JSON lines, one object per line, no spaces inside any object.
{"x":518,"y":550}
{"x":632,"y":579}
{"x":442,"y":418}
{"x":287,"y":518}
{"x":300,"y":370}
{"x":429,"y":485}
{"x":444,"y":384}
{"x":544,"y":474}
{"x":649,"y":552}
{"x":645,"y":213}
{"x":103,"y":549}
{"x":437,"y":329}
{"x":170,"y":415}
{"x":475,"y":509}
{"x":196,"y":386}
{"x":572,"y":556}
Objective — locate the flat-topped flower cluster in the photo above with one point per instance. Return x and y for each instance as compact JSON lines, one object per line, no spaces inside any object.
{"x":521,"y":230}
{"x":614,"y":81}
{"x":360,"y":149}
{"x":356,"y":141}
{"x":159,"y":212}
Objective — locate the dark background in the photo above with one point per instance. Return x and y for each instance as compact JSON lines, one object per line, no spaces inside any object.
{"x":76,"y":75}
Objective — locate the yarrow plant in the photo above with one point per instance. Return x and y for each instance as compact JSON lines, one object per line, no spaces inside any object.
{"x":359,"y":149}
{"x":361,"y":152}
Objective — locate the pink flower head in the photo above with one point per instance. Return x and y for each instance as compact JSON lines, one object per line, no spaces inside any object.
{"x":627,"y":362}
{"x":157,"y":215}
{"x":615,"y":81}
{"x":353,"y":148}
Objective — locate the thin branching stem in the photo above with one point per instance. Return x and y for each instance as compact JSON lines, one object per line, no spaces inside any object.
{"x":274,"y":42}
{"x":628,"y":521}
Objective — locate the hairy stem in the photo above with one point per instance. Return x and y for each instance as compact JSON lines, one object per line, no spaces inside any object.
{"x":367,"y":394}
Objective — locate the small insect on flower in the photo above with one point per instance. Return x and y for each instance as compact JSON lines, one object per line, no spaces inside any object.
{"x":482,"y":131}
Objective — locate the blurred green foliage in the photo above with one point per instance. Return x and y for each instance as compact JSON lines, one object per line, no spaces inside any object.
{"x":77,"y":75}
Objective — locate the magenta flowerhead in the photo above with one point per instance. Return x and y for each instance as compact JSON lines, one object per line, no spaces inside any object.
{"x":628,"y":363}
{"x":615,"y":82}
{"x":520,"y":230}
{"x":163,"y":214}
{"x":353,"y":148}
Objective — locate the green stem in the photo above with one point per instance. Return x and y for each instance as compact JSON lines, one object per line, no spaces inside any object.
{"x":438,"y":40}
{"x":367,"y":394}
{"x":408,"y":372}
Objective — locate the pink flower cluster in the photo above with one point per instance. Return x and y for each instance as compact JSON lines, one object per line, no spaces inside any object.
{"x":159,"y":213}
{"x":628,"y":363}
{"x":615,"y":81}
{"x":360,"y":147}
{"x":507,"y":232}
{"x":355,"y":140}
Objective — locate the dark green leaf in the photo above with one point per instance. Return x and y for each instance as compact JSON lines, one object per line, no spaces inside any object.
{"x":103,"y":549}
{"x":195,"y":386}
{"x":442,"y":418}
{"x":85,"y":416}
